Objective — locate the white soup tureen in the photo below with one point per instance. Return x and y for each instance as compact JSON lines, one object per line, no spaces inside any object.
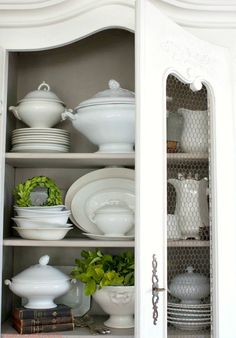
{"x":40,"y":108}
{"x":107,"y":119}
{"x":40,"y":284}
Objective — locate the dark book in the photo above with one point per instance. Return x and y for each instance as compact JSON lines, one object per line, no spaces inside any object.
{"x":44,"y":328}
{"x":42,"y":321}
{"x":59,"y":311}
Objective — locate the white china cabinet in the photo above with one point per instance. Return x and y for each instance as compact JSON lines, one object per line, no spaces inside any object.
{"x":77,"y":46}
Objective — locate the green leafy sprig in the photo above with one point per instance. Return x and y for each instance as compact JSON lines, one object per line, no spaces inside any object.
{"x":97,"y":270}
{"x":22,"y":191}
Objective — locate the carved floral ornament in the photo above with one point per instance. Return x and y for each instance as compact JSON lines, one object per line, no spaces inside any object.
{"x":195,"y":61}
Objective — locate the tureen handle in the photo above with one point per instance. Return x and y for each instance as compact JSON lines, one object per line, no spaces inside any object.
{"x":7,"y":282}
{"x":68,"y":114}
{"x":190,"y":269}
{"x":44,"y":86}
{"x":44,"y":260}
{"x":15,"y":111}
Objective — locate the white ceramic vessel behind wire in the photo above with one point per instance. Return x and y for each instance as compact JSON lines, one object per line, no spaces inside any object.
{"x":107,"y":119}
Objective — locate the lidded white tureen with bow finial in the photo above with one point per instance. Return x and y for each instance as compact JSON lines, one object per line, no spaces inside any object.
{"x":107,"y":119}
{"x":40,"y":284}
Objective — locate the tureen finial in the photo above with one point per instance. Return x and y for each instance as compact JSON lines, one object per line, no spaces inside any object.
{"x":113,"y":84}
{"x":44,"y":86}
{"x":190,"y":269}
{"x":44,"y":260}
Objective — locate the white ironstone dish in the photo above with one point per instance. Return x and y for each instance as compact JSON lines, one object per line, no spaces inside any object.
{"x":109,"y":238}
{"x":40,"y":108}
{"x":82,"y":214}
{"x":27,"y":212}
{"x":30,"y":223}
{"x":190,"y":326}
{"x":123,"y":173}
{"x":51,"y":209}
{"x":44,"y":234}
{"x":114,"y":219}
{"x":107,"y":119}
{"x":40,"y":284}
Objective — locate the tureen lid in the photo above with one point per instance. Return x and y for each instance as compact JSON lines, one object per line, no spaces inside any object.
{"x":190,"y":277}
{"x":43,"y":93}
{"x":114,"y":207}
{"x":41,"y":272}
{"x":114,"y":94}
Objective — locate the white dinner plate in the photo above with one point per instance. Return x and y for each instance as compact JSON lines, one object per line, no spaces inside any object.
{"x":191,"y":326}
{"x":109,"y":238}
{"x":189,"y":314}
{"x":41,"y":141}
{"x":79,"y":206}
{"x":39,"y":147}
{"x":189,"y":319}
{"x":200,"y":311}
{"x":39,"y":130}
{"x":94,"y":176}
{"x":189,"y":306}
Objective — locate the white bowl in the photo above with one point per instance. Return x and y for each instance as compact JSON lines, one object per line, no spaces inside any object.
{"x":118,"y":302}
{"x":30,"y":223}
{"x":44,"y":234}
{"x":53,"y":208}
{"x":54,"y":217}
{"x":50,"y":219}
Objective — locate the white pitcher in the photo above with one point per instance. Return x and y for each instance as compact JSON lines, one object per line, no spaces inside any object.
{"x":194,"y":138}
{"x":191,"y":205}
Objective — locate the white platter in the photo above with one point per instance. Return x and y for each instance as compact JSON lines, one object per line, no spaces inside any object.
{"x":94,"y":176}
{"x":82,"y":209}
{"x":109,"y":238}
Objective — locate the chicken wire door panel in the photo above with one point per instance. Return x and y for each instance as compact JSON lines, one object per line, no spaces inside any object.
{"x":168,"y":56}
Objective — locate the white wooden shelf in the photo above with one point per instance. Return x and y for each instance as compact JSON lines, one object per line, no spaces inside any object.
{"x":68,"y":160}
{"x":187,"y":243}
{"x":9,"y":332}
{"x":69,"y":242}
{"x":187,"y":157}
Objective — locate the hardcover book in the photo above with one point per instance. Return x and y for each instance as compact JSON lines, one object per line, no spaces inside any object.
{"x":59,"y":311}
{"x":44,"y":328}
{"x":42,"y":321}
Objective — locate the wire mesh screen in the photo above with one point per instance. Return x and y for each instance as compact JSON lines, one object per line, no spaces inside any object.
{"x":188,"y":204}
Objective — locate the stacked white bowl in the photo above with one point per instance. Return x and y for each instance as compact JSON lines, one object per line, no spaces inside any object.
{"x":42,"y":222}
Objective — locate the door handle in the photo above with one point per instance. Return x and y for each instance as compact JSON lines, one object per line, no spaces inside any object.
{"x":155,"y":290}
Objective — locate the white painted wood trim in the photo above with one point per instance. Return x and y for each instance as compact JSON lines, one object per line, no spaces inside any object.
{"x":63,"y":23}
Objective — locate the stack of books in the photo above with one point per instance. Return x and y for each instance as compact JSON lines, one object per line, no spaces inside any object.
{"x":27,"y":321}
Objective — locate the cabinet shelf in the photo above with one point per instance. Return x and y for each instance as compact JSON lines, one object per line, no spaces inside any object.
{"x":72,"y":243}
{"x":187,"y":243}
{"x":68,"y":160}
{"x":172,"y":157}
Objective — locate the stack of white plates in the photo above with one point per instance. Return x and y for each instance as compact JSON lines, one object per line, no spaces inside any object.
{"x":45,"y":140}
{"x":189,"y":316}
